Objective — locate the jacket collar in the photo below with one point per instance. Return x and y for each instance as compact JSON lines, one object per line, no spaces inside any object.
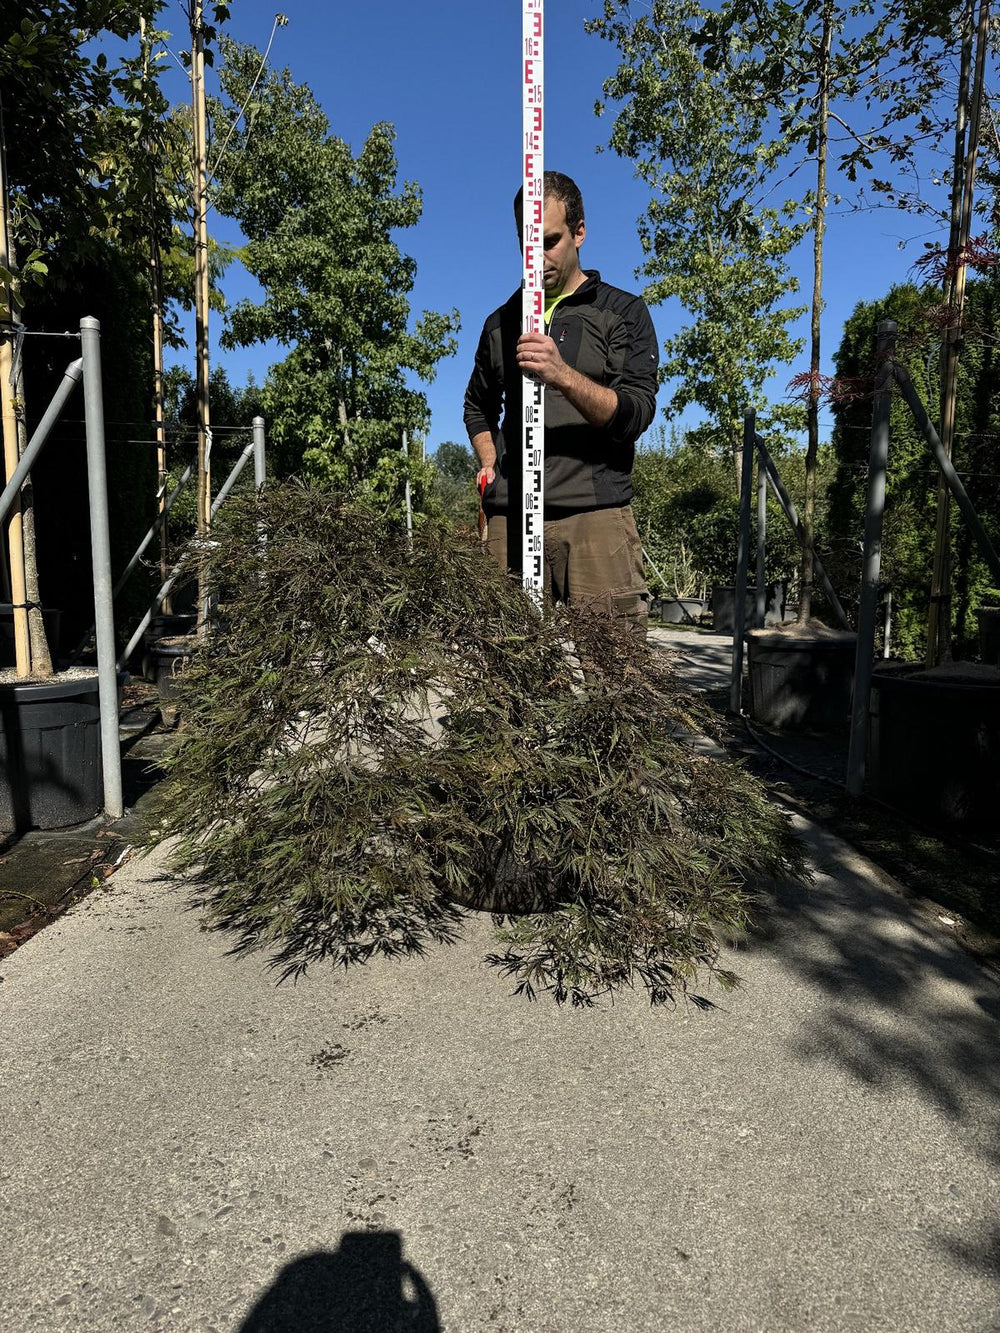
{"x":586,"y":289}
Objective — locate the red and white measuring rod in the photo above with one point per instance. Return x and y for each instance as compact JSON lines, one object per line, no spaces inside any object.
{"x":533,"y":294}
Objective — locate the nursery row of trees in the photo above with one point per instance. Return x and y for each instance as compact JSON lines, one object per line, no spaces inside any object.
{"x":756,"y":124}
{"x":102,"y":212}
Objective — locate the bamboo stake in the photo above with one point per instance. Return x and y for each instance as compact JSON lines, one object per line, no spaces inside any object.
{"x":156,"y":292}
{"x":8,"y":420}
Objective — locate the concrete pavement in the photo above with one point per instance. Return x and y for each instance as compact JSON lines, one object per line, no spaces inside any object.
{"x":405,"y":1146}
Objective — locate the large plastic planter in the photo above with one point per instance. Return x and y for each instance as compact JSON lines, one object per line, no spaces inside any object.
{"x":162,"y":627}
{"x":801,"y":681}
{"x":724,"y":606}
{"x":681,"y":610}
{"x":934,"y":746}
{"x":50,"y":754}
{"x":166,"y":658}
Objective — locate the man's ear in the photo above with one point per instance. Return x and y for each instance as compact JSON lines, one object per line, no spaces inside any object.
{"x":580,"y":235}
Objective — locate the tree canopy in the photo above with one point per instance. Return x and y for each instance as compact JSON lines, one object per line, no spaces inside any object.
{"x":320,"y":222}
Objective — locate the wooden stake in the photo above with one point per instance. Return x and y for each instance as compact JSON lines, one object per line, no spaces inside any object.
{"x":8,"y":419}
{"x":156,"y":292}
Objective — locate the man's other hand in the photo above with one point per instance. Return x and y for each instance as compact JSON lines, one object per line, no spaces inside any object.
{"x":484,"y":478}
{"x":538,"y":355}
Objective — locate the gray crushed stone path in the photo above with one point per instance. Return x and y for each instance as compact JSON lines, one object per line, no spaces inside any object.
{"x":187,"y":1146}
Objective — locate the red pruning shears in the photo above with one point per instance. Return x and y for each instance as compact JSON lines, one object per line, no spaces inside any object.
{"x":481,"y":520}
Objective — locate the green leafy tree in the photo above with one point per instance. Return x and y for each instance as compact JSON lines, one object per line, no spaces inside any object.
{"x":688,"y":515}
{"x":55,"y":94}
{"x":837,"y":78}
{"x":52,"y":96}
{"x":911,"y":479}
{"x":454,"y":489}
{"x":710,"y":239}
{"x":320,"y":224}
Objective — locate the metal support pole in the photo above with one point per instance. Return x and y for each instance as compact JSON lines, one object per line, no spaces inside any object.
{"x":259,"y":460}
{"x":742,"y":561}
{"x":231,"y":480}
{"x":168,"y":584}
{"x":788,"y":509}
{"x":649,"y":561}
{"x":104,"y":614}
{"x":157,"y":524}
{"x":872,"y":562}
{"x":143,"y":625}
{"x":760,"y":609}
{"x":68,"y":383}
{"x":950,"y":475}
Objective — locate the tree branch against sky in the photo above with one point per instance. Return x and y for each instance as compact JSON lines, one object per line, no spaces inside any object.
{"x":706,"y":159}
{"x":319,"y":224}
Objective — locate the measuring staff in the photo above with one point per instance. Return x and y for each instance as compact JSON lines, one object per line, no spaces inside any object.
{"x":594,"y":366}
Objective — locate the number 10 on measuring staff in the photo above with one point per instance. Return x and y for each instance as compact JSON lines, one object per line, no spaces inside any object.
{"x":533,"y":295}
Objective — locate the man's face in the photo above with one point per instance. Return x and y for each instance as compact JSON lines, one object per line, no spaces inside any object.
{"x":562,"y":259}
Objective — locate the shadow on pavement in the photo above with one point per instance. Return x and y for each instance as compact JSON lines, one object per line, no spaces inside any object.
{"x":906,"y":1008}
{"x":364,"y":1286}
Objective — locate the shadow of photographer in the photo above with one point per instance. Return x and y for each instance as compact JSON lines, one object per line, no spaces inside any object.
{"x":364,"y":1286}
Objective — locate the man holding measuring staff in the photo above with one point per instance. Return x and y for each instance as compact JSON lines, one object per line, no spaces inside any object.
{"x":598,"y":361}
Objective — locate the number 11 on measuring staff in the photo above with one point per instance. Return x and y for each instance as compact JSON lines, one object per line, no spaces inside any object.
{"x":533,"y":296}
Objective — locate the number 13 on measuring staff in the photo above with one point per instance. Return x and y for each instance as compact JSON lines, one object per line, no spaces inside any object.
{"x":533,"y":296}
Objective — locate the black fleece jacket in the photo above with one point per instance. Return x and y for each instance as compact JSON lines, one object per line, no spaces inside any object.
{"x":605,"y":334}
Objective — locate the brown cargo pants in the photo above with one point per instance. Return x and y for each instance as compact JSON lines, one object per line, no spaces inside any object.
{"x":592,"y":559}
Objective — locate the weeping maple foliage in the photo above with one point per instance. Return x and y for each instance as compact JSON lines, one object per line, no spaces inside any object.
{"x":383,"y":735}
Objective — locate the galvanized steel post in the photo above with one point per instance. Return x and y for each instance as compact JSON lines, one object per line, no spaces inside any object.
{"x":100,"y":540}
{"x":41,"y":433}
{"x":259,"y":461}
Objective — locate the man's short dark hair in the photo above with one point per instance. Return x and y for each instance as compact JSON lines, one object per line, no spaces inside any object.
{"x":558,"y":186}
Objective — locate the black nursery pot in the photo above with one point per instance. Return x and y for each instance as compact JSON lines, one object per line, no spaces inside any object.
{"x":934,"y":746}
{"x":165,"y":659}
{"x":162,"y":627}
{"x":50,"y":753}
{"x":724,"y":606}
{"x":801,"y":681}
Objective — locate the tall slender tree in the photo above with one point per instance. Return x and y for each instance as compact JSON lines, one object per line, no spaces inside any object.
{"x":711,"y":238}
{"x":52,"y":95}
{"x":320,"y":224}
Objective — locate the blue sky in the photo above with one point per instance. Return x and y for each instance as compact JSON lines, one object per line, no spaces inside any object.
{"x":447,"y":75}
